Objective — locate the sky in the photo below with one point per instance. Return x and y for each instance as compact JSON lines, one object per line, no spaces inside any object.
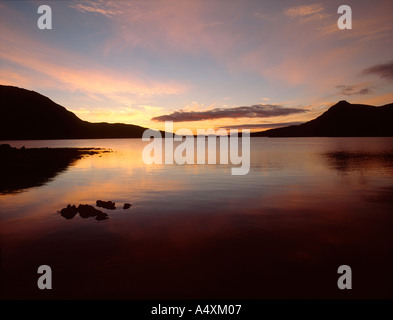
{"x":199,"y":63}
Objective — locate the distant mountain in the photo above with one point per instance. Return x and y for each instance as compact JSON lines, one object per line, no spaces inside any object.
{"x":342,"y":120}
{"x":28,"y":115}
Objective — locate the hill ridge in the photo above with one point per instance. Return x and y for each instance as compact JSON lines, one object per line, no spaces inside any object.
{"x":29,"y":115}
{"x":343,"y":119}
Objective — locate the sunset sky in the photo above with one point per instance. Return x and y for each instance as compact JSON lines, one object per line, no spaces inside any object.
{"x":203,"y":64}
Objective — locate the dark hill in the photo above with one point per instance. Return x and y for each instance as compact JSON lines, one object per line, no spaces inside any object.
{"x":29,"y":115}
{"x":342,"y":120}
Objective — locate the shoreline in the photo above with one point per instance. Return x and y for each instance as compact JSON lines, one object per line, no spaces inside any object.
{"x":23,"y":168}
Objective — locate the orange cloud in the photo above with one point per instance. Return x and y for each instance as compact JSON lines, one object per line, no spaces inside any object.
{"x":107,"y":9}
{"x":302,"y":11}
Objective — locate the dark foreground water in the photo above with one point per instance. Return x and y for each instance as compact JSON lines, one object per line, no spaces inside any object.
{"x":307,"y":206}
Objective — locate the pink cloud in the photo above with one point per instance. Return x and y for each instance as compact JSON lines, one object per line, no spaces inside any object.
{"x":168,"y":27}
{"x":74,"y":72}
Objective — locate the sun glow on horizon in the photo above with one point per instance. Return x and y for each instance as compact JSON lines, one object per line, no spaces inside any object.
{"x":133,"y":61}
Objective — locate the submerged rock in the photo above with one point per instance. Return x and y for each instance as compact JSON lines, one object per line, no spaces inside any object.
{"x":101,"y":216}
{"x":126,"y":206}
{"x":106,"y":204}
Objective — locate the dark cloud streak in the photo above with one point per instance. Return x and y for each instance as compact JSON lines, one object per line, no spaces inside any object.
{"x":255,"y":111}
{"x":352,"y":90}
{"x":262,"y":125}
{"x":384,"y":70}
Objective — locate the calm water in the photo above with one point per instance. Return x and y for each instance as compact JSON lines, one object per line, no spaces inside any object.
{"x":307,"y":206}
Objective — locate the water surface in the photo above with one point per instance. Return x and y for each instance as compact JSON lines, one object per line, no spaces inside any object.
{"x":307,"y":206}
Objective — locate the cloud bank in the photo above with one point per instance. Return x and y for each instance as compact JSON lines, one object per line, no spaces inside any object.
{"x":254,"y":111}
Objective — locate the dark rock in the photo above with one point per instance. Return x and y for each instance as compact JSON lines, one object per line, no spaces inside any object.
{"x":106,"y":204}
{"x":87,"y":211}
{"x":69,"y":212}
{"x":126,"y":206}
{"x":84,"y":210}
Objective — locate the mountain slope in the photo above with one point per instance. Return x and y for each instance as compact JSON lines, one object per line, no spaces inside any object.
{"x":26,"y":115}
{"x":29,"y":115}
{"x":342,"y":120}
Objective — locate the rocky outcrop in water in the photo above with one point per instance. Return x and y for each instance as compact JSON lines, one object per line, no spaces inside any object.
{"x":84,"y":210}
{"x":106,"y":204}
{"x":88,"y":211}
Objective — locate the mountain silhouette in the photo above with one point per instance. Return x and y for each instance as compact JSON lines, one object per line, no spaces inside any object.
{"x":342,"y":120}
{"x":28,"y":115}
